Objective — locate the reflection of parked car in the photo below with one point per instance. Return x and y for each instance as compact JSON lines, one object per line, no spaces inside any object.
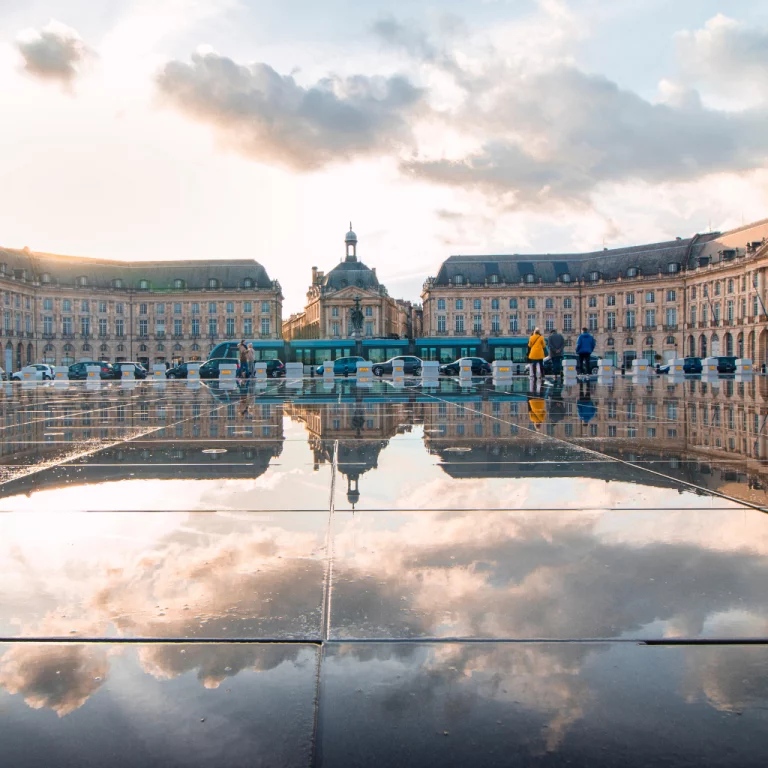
{"x":411,"y":365}
{"x":691,"y":365}
{"x":342,"y":365}
{"x":78,"y":371}
{"x":480,"y":367}
{"x":44,"y":368}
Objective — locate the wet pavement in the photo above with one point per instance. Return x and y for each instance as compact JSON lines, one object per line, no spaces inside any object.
{"x":298,"y":574}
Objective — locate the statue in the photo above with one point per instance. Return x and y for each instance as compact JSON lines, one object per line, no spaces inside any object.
{"x":356,"y":318}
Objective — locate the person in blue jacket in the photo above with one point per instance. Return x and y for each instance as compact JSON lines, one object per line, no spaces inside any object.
{"x":585,"y":346}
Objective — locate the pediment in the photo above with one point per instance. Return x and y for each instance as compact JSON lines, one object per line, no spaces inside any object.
{"x":350,"y":291}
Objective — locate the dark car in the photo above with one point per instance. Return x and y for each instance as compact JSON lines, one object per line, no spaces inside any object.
{"x":726,"y":364}
{"x":411,"y":365}
{"x":177,"y":372}
{"x":480,"y":367}
{"x":691,"y":365}
{"x":79,"y":371}
{"x":275,"y":368}
{"x":594,"y":363}
{"x":210,"y":368}
{"x":139,"y":371}
{"x":342,"y":365}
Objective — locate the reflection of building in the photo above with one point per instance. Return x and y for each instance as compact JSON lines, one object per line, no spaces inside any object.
{"x":331,"y":297}
{"x":362,"y":430}
{"x":696,"y":296}
{"x":60,"y":309}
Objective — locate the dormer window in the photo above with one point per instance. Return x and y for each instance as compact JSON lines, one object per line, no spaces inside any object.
{"x":459,"y":279}
{"x":117,"y":283}
{"x":633,"y":272}
{"x":82,"y":281}
{"x":673,"y":267}
{"x":45,"y":278}
{"x":178,"y":283}
{"x":530,"y":278}
{"x":594,"y":276}
{"x":143,"y":285}
{"x":494,"y":278}
{"x":213,"y":283}
{"x":566,"y":278}
{"x":3,"y":268}
{"x":247,"y":283}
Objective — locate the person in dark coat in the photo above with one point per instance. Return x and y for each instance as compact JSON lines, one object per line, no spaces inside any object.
{"x":585,"y":346}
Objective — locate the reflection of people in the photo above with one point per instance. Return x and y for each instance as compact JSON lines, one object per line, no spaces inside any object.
{"x":585,"y":346}
{"x":556,"y":404}
{"x":537,"y":411}
{"x":536,"y":346}
{"x":584,"y":405}
{"x":556,"y":345}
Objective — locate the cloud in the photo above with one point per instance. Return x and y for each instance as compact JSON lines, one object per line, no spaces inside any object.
{"x":271,"y":118}
{"x":55,"y":52}
{"x":557,"y":136}
{"x":725,"y":53}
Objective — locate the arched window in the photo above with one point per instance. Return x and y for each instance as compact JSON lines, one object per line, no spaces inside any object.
{"x":161,"y":348}
{"x":143,"y":285}
{"x":195,"y":347}
{"x":82,"y":281}
{"x":247,"y":283}
{"x":594,"y":276}
{"x":178,"y":283}
{"x":702,"y":346}
{"x":177,"y":348}
{"x":629,"y":341}
{"x":121,"y":347}
{"x":673,"y":267}
{"x":68,"y":348}
{"x":649,"y":340}
{"x":671,"y":340}
{"x":633,"y":271}
{"x":610,"y":342}
{"x":103,"y":348}
{"x":86,"y":347}
{"x":142,"y":348}
{"x":45,"y":278}
{"x":530,"y":278}
{"x":213,"y":282}
{"x":459,"y":279}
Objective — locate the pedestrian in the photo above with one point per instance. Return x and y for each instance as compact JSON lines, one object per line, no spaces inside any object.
{"x":242,"y":354}
{"x":536,"y":347}
{"x":556,"y":345}
{"x":585,"y":346}
{"x":250,"y":359}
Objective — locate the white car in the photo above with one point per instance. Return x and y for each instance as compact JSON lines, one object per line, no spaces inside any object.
{"x":47,"y":370}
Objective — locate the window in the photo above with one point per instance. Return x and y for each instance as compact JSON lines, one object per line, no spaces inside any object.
{"x":704,"y":313}
{"x":369,"y":311}
{"x":630,"y":299}
{"x":142,"y":309}
{"x":102,"y":326}
{"x":716,"y":313}
{"x":47,"y":304}
{"x":441,"y":323}
{"x":247,"y":307}
{"x":334,"y":311}
{"x":672,"y":295}
{"x":610,"y":301}
{"x":592,"y":322}
{"x":565,"y":277}
{"x":368,"y":329}
{"x":531,"y":322}
{"x":230,"y":307}
{"x":66,"y":305}
{"x":143,"y":328}
{"x":459,"y":324}
{"x":513,"y":303}
{"x":513,"y":323}
{"x":568,"y":303}
{"x":477,"y":323}
{"x":494,"y":279}
{"x":530,"y":278}
{"x":673,"y":267}
{"x":459,"y":279}
{"x":610,"y":319}
{"x":335,"y":328}
{"x":729,"y":309}
{"x":730,"y":285}
{"x":693,"y":293}
{"x":195,"y":309}
{"x":593,"y":301}
{"x":671,"y":316}
{"x":143,"y":285}
{"x":195,"y":326}
{"x":265,"y":327}
{"x":102,"y":306}
{"x":459,"y":303}
{"x":567,"y":322}
{"x":755,"y":308}
{"x":119,"y":308}
{"x":717,"y":288}
{"x":159,"y":309}
{"x":177,"y":327}
{"x":495,"y":323}
{"x":211,"y":307}
{"x":82,"y":281}
{"x":633,"y":272}
{"x":650,"y":318}
{"x":213,"y":282}
{"x":650,"y":297}
{"x":178,"y":283}
{"x":630,"y":319}
{"x":119,"y":328}
{"x":494,"y":303}
{"x":549,"y":303}
{"x":230,"y":326}
{"x":66,"y":326}
{"x":85,"y":306}
{"x":477,"y":304}
{"x":531,"y":303}
{"x":47,"y":325}
{"x":549,"y":322}
{"x":7,"y":320}
{"x":265,"y":306}
{"x":213,"y":327}
{"x":441,"y":305}
{"x":45,"y":278}
{"x":594,"y":276}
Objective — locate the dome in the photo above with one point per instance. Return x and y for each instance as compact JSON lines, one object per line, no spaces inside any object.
{"x":351,"y":237}
{"x":351,"y":273}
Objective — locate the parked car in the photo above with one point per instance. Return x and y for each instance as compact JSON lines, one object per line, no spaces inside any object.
{"x":47,"y":371}
{"x":691,"y":365}
{"x":139,"y":371}
{"x":726,"y":364}
{"x":177,"y":372}
{"x":275,"y":369}
{"x":342,"y":365}
{"x":210,"y":368}
{"x":480,"y":367}
{"x":411,"y":365}
{"x":78,"y":371}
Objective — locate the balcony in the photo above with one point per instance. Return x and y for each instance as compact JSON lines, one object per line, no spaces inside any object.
{"x":160,"y":335}
{"x":441,"y":333}
{"x":458,"y":332}
{"x":67,"y":335}
{"x":630,"y":327}
{"x":103,"y":336}
{"x":670,"y":327}
{"x":649,"y":327}
{"x":703,"y":324}
{"x":49,"y":335}
{"x":610,"y":328}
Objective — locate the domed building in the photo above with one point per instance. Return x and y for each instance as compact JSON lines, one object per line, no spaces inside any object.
{"x":333,"y":295}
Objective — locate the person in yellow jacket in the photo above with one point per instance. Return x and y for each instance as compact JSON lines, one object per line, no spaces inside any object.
{"x":536,"y":352}
{"x":537,"y":412}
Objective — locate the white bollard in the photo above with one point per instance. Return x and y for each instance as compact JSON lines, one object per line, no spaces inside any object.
{"x":62,"y":372}
{"x":294,"y":371}
{"x":465,"y":368}
{"x":364,"y":372}
{"x":158,"y":372}
{"x":709,"y":368}
{"x":398,"y":372}
{"x":30,"y":376}
{"x":640,"y":368}
{"x":227,"y":372}
{"x":260,"y":370}
{"x":127,"y":372}
{"x":430,"y":373}
{"x":328,"y":374}
{"x":93,"y":373}
{"x":569,"y":370}
{"x":502,"y":371}
{"x":744,"y":365}
{"x":193,"y":372}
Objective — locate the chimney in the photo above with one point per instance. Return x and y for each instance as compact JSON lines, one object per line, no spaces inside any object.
{"x":374,"y":271}
{"x":314,"y":275}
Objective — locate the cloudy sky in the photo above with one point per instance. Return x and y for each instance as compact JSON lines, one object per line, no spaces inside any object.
{"x":143,"y":129}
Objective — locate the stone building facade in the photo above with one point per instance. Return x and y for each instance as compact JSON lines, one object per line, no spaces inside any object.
{"x":696,"y":296}
{"x":61,"y":309}
{"x":331,"y":296}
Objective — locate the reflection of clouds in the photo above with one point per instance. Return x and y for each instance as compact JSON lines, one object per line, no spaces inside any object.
{"x":56,"y":677}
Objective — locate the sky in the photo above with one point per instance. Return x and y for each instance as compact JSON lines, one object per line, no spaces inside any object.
{"x":149,"y":129}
